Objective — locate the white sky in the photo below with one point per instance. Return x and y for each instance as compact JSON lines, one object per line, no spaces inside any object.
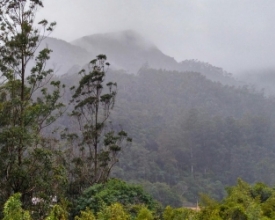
{"x":233,"y":34}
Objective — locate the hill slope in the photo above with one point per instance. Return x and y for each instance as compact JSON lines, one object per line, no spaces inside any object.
{"x":126,"y":50}
{"x":64,"y":55}
{"x":190,"y":134}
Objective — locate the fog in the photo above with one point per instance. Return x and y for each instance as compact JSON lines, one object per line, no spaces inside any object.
{"x":235,"y":35}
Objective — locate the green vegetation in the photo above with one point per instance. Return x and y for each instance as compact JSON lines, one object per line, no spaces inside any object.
{"x":190,"y":136}
{"x":93,"y":149}
{"x":243,"y":201}
{"x":114,"y":191}
{"x":13,"y":209}
{"x":26,"y":107}
{"x":35,"y":161}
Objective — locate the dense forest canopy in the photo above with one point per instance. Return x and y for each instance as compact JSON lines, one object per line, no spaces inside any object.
{"x":191,"y":134}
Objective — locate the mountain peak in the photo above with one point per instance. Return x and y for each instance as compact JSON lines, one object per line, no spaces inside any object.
{"x":131,"y":36}
{"x":127,"y":37}
{"x":125,"y":50}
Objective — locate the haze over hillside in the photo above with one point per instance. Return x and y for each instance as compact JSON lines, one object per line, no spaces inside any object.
{"x":180,"y":128}
{"x":64,"y":55}
{"x":261,"y":79}
{"x":235,"y":35}
{"x":127,"y":51}
{"x":195,"y":127}
{"x":190,"y":134}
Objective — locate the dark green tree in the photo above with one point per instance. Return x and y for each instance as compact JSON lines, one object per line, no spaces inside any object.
{"x":28,"y":160}
{"x":113,"y":191}
{"x":94,"y":149}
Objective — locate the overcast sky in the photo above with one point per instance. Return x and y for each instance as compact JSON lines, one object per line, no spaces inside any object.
{"x":233,"y":34}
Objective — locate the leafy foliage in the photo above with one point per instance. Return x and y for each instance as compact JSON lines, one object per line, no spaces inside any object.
{"x":242,"y":202}
{"x":27,"y":107}
{"x":113,"y":212}
{"x":85,"y":215}
{"x":114,"y":191}
{"x":144,"y":214}
{"x":57,"y":213}
{"x":13,"y":209}
{"x":93,"y":150}
{"x":179,"y":213}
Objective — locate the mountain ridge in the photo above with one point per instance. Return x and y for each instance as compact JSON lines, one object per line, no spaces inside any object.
{"x":126,"y":50}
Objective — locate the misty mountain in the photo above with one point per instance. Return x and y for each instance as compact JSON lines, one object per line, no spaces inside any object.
{"x":261,"y":79}
{"x":190,"y":134}
{"x":211,"y":72}
{"x":126,"y":50}
{"x":64,"y":56}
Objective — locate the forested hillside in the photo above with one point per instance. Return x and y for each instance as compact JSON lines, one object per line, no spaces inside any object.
{"x":190,"y":134}
{"x":262,"y":79}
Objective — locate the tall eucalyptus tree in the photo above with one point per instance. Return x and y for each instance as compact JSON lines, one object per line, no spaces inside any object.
{"x":98,"y":144}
